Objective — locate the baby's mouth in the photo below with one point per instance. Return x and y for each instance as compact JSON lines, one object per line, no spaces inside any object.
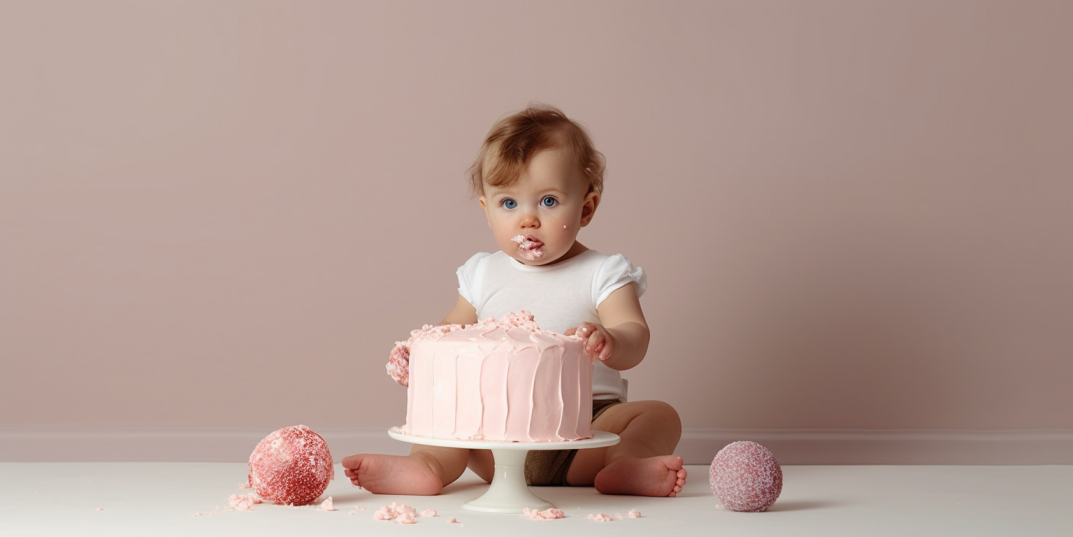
{"x":529,"y":246}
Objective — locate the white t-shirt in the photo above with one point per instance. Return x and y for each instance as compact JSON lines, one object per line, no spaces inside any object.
{"x":560,"y":296}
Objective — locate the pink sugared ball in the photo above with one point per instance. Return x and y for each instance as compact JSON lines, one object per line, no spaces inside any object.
{"x":291,"y":466}
{"x":745,"y":477}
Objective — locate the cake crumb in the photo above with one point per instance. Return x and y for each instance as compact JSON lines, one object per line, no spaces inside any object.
{"x":634,"y":513}
{"x":403,"y":514}
{"x":599,"y":517}
{"x":547,"y":514}
{"x":328,"y":505}
{"x":243,"y":502}
{"x":429,"y":513}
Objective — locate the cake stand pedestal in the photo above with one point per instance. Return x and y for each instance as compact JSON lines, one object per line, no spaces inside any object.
{"x":508,"y":492}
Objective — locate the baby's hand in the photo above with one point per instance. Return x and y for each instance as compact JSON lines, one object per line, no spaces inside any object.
{"x":598,"y":341}
{"x":398,"y":363}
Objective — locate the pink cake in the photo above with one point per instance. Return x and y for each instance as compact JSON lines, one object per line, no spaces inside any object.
{"x":500,"y":380}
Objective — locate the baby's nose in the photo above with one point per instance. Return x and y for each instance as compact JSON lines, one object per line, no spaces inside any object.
{"x":530,"y":221}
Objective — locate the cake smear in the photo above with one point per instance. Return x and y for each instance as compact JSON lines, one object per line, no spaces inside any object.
{"x":529,"y":246}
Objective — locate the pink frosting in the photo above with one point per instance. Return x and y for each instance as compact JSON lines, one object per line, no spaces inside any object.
{"x":599,"y":517}
{"x":547,"y":514}
{"x":328,"y":505}
{"x":634,"y":514}
{"x":398,"y":363}
{"x":498,"y":380}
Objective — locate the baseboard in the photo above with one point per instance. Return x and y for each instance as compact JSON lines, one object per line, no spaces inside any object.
{"x":176,"y":445}
{"x":862,"y":446}
{"x":697,"y":446}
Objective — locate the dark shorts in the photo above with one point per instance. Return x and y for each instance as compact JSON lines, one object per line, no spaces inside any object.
{"x":549,"y":468}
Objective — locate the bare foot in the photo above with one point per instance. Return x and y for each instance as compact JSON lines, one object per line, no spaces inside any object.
{"x":652,"y":476}
{"x":391,"y":474}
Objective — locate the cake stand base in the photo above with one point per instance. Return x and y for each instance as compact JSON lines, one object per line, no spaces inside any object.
{"x":508,"y":492}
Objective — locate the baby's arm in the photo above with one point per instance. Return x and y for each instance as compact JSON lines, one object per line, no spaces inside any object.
{"x":462,"y":313}
{"x":621,"y":338}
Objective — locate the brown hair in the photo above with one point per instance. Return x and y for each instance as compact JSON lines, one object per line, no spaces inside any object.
{"x":514,"y":139}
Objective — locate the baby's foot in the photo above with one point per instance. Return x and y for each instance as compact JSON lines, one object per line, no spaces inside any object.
{"x":652,"y":476}
{"x":391,"y":474}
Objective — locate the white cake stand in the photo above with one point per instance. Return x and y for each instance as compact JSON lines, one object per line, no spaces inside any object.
{"x":508,"y":492}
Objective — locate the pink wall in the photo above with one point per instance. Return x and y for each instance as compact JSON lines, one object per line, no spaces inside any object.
{"x":221,"y":215}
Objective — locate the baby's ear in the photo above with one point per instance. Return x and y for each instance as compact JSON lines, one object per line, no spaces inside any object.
{"x":588,"y":209}
{"x":484,"y":208}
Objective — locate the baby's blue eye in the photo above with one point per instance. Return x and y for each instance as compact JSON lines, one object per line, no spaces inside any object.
{"x":549,"y":201}
{"x":509,"y":203}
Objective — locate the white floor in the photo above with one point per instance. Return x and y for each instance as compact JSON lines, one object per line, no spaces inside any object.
{"x":191,"y":499}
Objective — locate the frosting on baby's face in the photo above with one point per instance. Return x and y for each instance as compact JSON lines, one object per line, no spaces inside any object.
{"x":536,"y":219}
{"x":529,"y":247}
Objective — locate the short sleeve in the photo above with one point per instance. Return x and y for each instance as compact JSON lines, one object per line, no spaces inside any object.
{"x":469,"y":278}
{"x":615,"y":272}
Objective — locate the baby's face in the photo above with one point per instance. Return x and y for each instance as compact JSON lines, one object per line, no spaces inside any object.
{"x":536,"y":220}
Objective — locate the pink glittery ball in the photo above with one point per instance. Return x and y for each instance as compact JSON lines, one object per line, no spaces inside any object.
{"x":291,"y":466}
{"x":745,"y":477}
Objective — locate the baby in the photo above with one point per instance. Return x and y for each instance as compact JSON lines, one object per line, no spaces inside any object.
{"x":539,"y":179}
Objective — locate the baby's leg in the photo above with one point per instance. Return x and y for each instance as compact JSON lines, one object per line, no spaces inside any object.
{"x":642,"y":463}
{"x":424,"y":472}
{"x":482,"y":464}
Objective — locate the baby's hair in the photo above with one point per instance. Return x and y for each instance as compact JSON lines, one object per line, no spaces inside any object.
{"x":514,"y":139}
